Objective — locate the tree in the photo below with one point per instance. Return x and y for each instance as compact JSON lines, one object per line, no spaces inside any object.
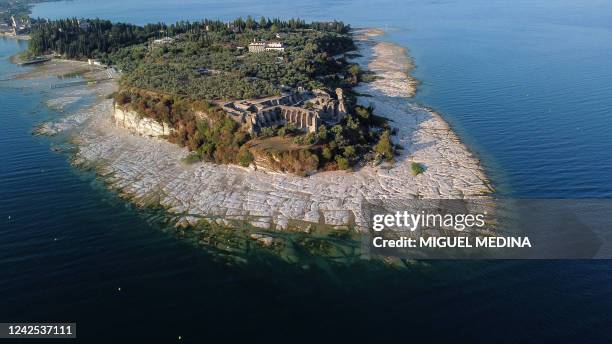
{"x":263,"y":22}
{"x":250,"y":23}
{"x":362,"y":112}
{"x":354,"y":72}
{"x":352,"y":123}
{"x":342,"y":162}
{"x":245,"y":157}
{"x":349,"y":152}
{"x":122,"y":98}
{"x":322,"y":133}
{"x":337,"y":129}
{"x":327,"y":153}
{"x":266,"y":132}
{"x":384,"y":147}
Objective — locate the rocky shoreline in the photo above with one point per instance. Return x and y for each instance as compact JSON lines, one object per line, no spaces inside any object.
{"x":13,"y":36}
{"x":151,"y":171}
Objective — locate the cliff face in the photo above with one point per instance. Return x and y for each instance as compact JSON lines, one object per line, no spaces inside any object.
{"x":137,"y":124}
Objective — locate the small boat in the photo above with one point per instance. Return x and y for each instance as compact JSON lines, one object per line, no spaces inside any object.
{"x":35,"y":60}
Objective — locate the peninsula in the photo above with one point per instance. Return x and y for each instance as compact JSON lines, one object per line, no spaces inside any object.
{"x":287,"y":99}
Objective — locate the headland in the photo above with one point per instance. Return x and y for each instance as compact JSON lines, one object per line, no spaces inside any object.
{"x":150,"y":170}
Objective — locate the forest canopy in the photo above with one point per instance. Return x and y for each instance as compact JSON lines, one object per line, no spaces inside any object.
{"x":178,"y":74}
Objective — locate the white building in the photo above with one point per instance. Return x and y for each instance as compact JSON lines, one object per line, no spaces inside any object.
{"x":275,"y":46}
{"x":93,"y":62}
{"x":18,"y":25}
{"x":165,"y":40}
{"x":258,"y":47}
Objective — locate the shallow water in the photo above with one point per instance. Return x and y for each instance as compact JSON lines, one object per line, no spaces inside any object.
{"x":525,"y":85}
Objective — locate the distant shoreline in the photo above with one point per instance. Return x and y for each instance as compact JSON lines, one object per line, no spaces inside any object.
{"x":16,"y":37}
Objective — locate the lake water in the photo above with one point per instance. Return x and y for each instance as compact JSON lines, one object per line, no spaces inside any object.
{"x":526,"y":85}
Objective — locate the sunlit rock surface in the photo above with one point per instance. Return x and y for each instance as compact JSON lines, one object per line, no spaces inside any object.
{"x":137,"y":124}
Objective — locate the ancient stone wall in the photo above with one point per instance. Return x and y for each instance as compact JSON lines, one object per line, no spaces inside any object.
{"x":303,"y":119}
{"x":307,"y":110}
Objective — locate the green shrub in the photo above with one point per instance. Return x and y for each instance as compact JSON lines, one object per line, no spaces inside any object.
{"x":327,"y":153}
{"x":349,"y":152}
{"x":417,"y":168}
{"x":363,"y":112}
{"x":192,"y":158}
{"x":384,"y":147}
{"x":245,"y":158}
{"x":266,"y":132}
{"x":322,"y":133}
{"x":342,"y":162}
{"x":301,"y":162}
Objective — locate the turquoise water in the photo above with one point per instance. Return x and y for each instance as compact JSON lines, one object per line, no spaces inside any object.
{"x":525,"y":85}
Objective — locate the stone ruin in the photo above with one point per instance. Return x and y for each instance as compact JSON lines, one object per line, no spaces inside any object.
{"x":307,"y":110}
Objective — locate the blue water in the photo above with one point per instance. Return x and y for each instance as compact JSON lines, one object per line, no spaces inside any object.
{"x":526,"y":85}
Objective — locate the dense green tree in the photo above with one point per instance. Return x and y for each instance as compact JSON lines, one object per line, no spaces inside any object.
{"x":349,"y":152}
{"x":384,"y":147}
{"x":327,"y":153}
{"x":342,"y":162}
